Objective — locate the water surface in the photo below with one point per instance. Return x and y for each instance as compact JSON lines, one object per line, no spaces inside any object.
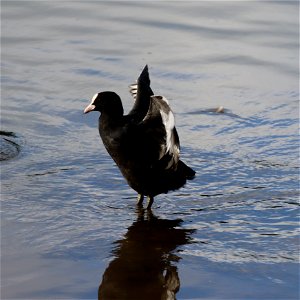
{"x":69,"y":226}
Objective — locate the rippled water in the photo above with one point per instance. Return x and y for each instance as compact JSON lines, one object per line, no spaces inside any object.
{"x":69,"y":226}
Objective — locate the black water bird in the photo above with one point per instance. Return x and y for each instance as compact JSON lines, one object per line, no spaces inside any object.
{"x":144,"y":144}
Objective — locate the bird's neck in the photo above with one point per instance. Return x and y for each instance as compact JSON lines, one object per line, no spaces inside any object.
{"x":110,"y":121}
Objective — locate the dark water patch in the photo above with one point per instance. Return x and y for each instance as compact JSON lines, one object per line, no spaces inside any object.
{"x":5,"y":79}
{"x":99,"y":73}
{"x":108,"y":59}
{"x":10,"y":145}
{"x":252,"y":61}
{"x":180,"y":76}
{"x":15,"y":41}
{"x":211,"y":32}
{"x":79,"y":42}
{"x":50,"y":172}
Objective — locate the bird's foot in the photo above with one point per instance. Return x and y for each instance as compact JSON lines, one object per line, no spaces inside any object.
{"x":140,"y":200}
{"x":150,"y":202}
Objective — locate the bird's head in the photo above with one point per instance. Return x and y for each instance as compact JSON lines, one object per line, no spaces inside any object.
{"x":106,"y":102}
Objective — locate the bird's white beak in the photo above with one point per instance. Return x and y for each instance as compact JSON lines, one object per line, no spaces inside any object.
{"x":89,"y":108}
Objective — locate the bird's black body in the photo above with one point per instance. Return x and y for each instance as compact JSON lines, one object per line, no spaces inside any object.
{"x":144,"y":144}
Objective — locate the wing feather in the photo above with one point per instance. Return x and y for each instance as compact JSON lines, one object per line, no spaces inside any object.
{"x":141,"y":92}
{"x":160,"y":123}
{"x":133,"y":89}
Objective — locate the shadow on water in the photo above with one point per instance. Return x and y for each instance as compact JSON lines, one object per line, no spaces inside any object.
{"x":144,"y":266}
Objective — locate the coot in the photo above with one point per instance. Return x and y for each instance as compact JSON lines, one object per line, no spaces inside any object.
{"x":144,"y":144}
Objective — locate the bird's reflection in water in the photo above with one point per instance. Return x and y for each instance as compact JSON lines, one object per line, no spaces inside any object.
{"x":145,"y":261}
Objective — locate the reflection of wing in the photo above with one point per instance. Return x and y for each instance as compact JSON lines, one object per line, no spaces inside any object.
{"x":159,"y":123}
{"x":171,"y":283}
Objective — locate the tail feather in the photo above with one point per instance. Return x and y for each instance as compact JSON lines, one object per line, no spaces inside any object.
{"x":188,"y":172}
{"x":175,"y":180}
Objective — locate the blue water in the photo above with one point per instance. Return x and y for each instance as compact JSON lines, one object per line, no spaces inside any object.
{"x":69,"y":225}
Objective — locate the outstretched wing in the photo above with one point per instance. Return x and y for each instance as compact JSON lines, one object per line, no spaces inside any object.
{"x":159,"y":125}
{"x":141,"y":92}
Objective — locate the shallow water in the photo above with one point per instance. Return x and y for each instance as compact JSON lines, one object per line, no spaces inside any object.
{"x":69,"y":225}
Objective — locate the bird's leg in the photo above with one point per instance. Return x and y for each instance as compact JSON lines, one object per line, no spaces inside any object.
{"x":140,"y":200}
{"x":150,"y":202}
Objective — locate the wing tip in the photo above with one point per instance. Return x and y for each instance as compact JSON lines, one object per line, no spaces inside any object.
{"x":144,"y":76}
